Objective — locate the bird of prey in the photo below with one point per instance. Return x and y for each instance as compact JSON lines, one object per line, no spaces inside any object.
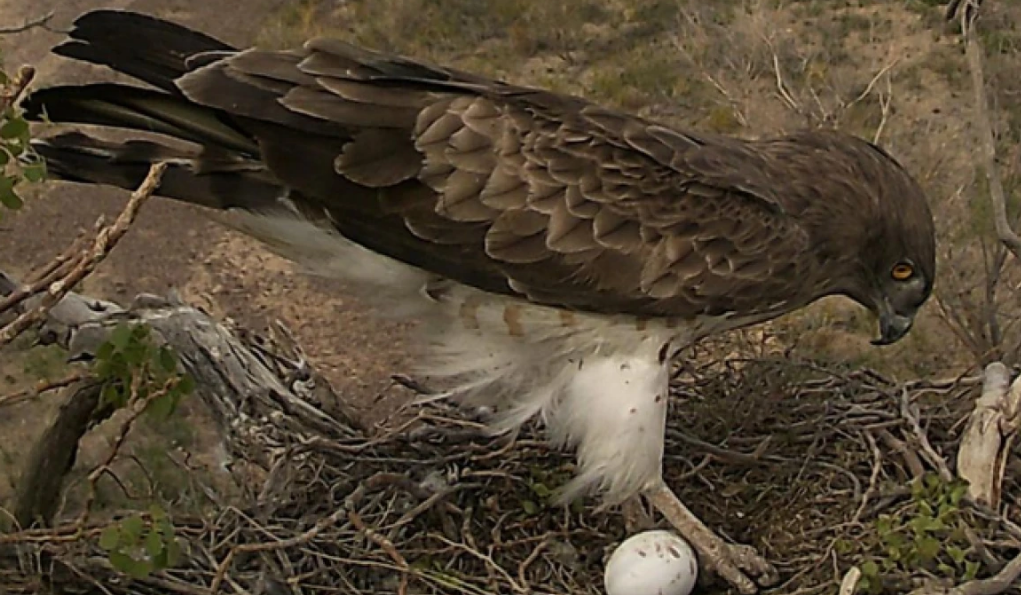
{"x":556,"y":252}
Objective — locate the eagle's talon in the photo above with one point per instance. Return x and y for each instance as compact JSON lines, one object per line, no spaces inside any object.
{"x":744,"y":559}
{"x":740,"y":565}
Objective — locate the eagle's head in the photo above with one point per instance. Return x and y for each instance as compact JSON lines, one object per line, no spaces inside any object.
{"x":898,"y":258}
{"x":872,"y":227}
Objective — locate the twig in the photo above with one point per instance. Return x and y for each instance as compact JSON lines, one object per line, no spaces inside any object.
{"x":42,"y":21}
{"x":928,"y":452}
{"x":12,"y":91}
{"x":103,"y":243}
{"x":984,"y":129}
{"x":384,"y":544}
{"x":994,"y":585}
{"x":43,"y":386}
{"x":910,"y":457}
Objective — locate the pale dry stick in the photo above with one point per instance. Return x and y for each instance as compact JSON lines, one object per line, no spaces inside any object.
{"x":532,"y":557}
{"x":910,"y":457}
{"x":302,"y":539}
{"x":486,"y":559}
{"x":42,"y":21}
{"x":884,"y":105}
{"x":984,"y":129}
{"x":51,"y":272}
{"x":106,"y":239}
{"x":384,"y":544}
{"x":927,"y":451}
{"x":872,"y":83}
{"x":780,"y":85}
{"x":987,"y":440}
{"x":15,"y":87}
{"x":43,"y":386}
{"x":850,"y":582}
{"x":877,"y":465}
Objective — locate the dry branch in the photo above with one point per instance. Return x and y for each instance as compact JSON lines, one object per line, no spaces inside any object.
{"x":86,"y":261}
{"x":984,"y":126}
{"x":982,"y":456}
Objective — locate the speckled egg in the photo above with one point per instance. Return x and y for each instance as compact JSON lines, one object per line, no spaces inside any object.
{"x":651,"y":563}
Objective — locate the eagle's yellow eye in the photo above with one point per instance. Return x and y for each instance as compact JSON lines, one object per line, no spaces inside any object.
{"x":902,"y":272}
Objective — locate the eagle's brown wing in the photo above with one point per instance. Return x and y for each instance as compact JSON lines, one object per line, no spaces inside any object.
{"x":509,"y":189}
{"x":513,"y":189}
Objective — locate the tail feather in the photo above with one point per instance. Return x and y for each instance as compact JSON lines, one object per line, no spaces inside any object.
{"x":210,"y":179}
{"x":149,"y":49}
{"x":123,"y":106}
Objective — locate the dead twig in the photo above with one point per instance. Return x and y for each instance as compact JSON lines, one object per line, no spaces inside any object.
{"x":87,"y":261}
{"x":15,"y":88}
{"x":43,"y":386}
{"x":910,"y":415}
{"x":42,"y":21}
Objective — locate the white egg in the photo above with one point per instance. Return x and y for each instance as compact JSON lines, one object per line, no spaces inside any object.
{"x":651,"y":563}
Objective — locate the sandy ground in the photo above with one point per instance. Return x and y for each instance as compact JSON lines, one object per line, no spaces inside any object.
{"x":176,"y":246}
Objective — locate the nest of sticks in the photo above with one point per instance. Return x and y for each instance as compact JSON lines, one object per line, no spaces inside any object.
{"x":824,"y":471}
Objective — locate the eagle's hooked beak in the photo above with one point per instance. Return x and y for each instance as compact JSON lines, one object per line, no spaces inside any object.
{"x":892,"y":324}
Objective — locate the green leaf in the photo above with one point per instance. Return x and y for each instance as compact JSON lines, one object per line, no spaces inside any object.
{"x":970,"y":570}
{"x":111,"y":394}
{"x":956,"y":554}
{"x":162,"y":407}
{"x":138,"y":569}
{"x":35,"y":172}
{"x":529,"y":507}
{"x":928,"y":548}
{"x":173,"y":552}
{"x":167,"y":359}
{"x":8,"y":197}
{"x":869,"y":569}
{"x":120,"y":336}
{"x":5,"y":157}
{"x":132,"y":528}
{"x":186,"y":385}
{"x":14,"y":128}
{"x":153,"y":544}
{"x":541,"y":490}
{"x":110,"y":537}
{"x":157,"y":513}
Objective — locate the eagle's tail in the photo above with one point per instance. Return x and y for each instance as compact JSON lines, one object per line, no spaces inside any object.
{"x":156,"y":52}
{"x":140,"y":46}
{"x":214,"y":179}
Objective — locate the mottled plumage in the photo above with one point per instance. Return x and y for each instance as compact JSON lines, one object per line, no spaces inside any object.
{"x":551,"y":246}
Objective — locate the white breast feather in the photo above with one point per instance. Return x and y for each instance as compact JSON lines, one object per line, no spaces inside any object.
{"x":595,"y":382}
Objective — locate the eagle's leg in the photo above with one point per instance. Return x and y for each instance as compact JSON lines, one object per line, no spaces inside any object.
{"x":733,"y":562}
{"x":636,"y":515}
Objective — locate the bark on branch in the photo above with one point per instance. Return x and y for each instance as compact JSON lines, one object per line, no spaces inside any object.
{"x":983,"y":124}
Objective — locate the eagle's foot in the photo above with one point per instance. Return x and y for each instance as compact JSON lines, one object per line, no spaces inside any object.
{"x":739,"y":565}
{"x":636,"y":516}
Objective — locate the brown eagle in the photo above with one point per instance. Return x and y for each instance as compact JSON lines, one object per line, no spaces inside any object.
{"x":556,"y":252}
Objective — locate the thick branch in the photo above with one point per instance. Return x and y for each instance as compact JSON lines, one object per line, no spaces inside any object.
{"x":985,"y":446}
{"x":53,"y":456}
{"x":984,"y":129}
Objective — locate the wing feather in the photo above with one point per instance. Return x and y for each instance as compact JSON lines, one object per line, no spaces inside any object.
{"x":519,"y":190}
